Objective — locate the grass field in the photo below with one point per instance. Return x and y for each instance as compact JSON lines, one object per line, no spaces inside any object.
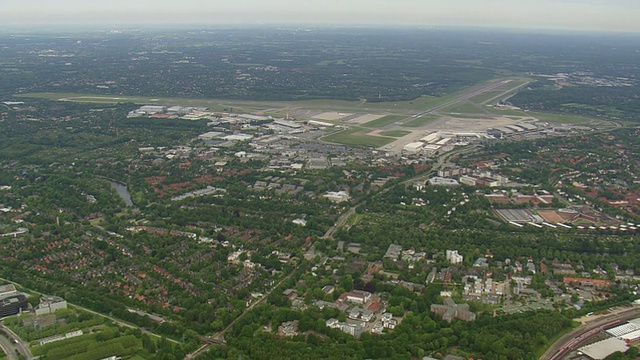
{"x":387,"y":120}
{"x":400,"y":107}
{"x":484,"y":97}
{"x":421,"y":121}
{"x":553,"y":118}
{"x":395,"y":133}
{"x":565,"y":118}
{"x":357,"y":136}
{"x":465,"y":107}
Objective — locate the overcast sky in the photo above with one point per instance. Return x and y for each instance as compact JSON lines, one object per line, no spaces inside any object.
{"x":614,"y":15}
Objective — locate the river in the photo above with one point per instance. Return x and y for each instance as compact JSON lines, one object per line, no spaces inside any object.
{"x":123,"y":191}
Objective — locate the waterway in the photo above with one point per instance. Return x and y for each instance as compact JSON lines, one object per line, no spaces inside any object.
{"x":123,"y":191}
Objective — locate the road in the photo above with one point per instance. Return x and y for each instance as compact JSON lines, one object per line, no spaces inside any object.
{"x":339,"y":223}
{"x":554,"y":350}
{"x":8,"y":348}
{"x":13,"y":344}
{"x":218,"y":338}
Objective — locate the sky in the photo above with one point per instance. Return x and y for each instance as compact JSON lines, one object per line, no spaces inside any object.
{"x":596,"y":15}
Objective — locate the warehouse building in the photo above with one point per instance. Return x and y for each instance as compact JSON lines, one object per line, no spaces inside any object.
{"x":601,"y":349}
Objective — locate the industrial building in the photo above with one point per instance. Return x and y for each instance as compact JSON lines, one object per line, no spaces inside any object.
{"x":238,"y":137}
{"x":413,"y":147}
{"x":13,"y":305}
{"x":152,"y":109}
{"x":440,"y":181}
{"x":602,"y":349}
{"x":209,"y":135}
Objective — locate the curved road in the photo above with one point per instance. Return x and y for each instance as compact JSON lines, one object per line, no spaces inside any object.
{"x":14,"y":344}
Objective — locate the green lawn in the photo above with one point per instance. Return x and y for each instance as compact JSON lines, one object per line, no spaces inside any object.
{"x":421,"y":121}
{"x":395,"y":133}
{"x":484,"y":97}
{"x":465,"y":107}
{"x":387,"y":120}
{"x":565,"y":118}
{"x":356,"y":136}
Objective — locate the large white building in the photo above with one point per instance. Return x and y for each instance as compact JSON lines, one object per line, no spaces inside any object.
{"x":337,"y":196}
{"x":49,"y":305}
{"x":468,"y":180}
{"x":601,"y":349}
{"x":152,"y":109}
{"x":413,"y":147}
{"x":453,"y":257}
{"x":440,"y":181}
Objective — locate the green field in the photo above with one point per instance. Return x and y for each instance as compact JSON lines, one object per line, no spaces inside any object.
{"x":501,"y":92}
{"x":395,"y":133}
{"x":387,"y":120}
{"x":357,"y":136}
{"x":421,"y":121}
{"x":90,"y":346}
{"x":465,"y":107}
{"x":485,"y":97}
{"x":566,"y":118}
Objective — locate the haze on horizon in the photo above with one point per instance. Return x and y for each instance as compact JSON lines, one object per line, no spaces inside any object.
{"x":591,"y":15}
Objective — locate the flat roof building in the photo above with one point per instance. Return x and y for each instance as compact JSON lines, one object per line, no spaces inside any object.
{"x":450,"y":310}
{"x":7,"y":290}
{"x":440,"y":181}
{"x":50,"y":304}
{"x":413,"y":147}
{"x":13,"y":305}
{"x":601,"y":349}
{"x":209,"y":135}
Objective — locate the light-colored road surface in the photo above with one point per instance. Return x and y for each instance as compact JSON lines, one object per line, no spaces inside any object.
{"x":8,"y":348}
{"x":561,"y":344}
{"x":339,"y":223}
{"x":15,"y":344}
